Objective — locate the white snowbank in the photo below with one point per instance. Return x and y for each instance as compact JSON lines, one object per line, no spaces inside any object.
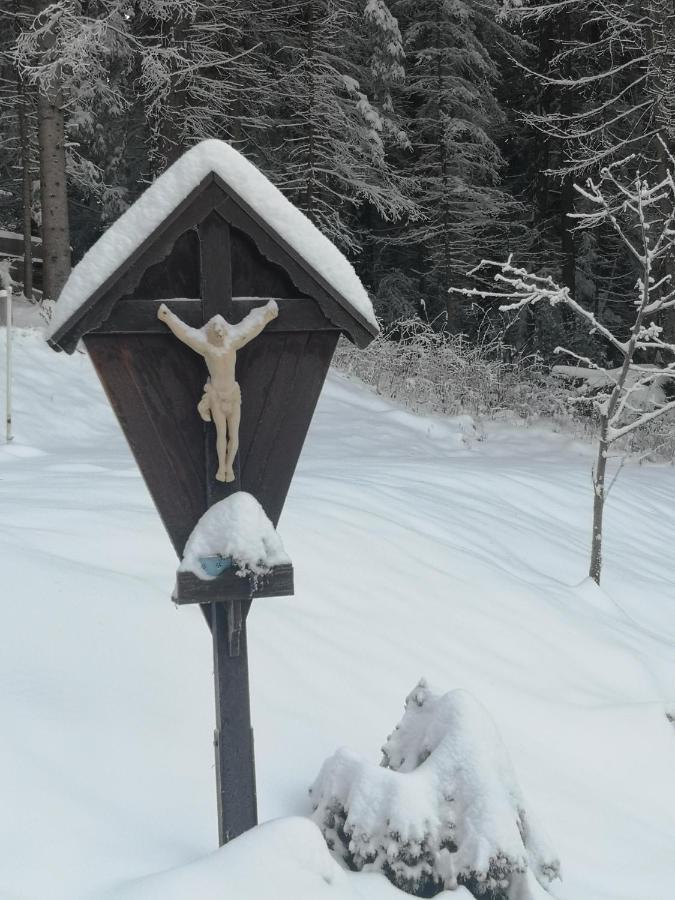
{"x":444,"y":806}
{"x":235,"y":528}
{"x":170,"y":189}
{"x":287,"y":858}
{"x":414,"y":550}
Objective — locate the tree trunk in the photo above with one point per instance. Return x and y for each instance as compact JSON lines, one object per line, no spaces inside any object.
{"x":569,"y":261}
{"x":27,"y":189}
{"x":668,"y":322}
{"x":53,"y":191}
{"x":311,"y":172}
{"x":452,"y":305}
{"x":567,"y":193}
{"x":660,"y":43}
{"x":599,"y":496}
{"x":172,"y":124}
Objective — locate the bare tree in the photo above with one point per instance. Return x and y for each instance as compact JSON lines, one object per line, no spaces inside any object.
{"x":642,"y":213}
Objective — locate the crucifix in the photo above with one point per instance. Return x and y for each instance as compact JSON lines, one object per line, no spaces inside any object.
{"x":218,"y":341}
{"x":207,"y":274}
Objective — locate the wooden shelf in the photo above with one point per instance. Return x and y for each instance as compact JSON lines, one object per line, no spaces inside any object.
{"x":229,"y":586}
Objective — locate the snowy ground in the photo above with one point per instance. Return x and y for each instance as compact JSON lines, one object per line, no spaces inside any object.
{"x":418,"y":550}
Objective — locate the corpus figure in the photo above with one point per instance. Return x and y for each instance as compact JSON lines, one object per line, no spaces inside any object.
{"x":218,"y":342}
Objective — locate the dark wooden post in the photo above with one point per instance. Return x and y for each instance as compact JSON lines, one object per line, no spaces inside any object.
{"x":233,"y":738}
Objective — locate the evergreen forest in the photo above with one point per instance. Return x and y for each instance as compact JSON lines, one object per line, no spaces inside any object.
{"x":421,"y":136}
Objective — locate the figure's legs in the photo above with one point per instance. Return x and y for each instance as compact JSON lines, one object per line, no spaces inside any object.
{"x":233,"y":419}
{"x":220,"y":421}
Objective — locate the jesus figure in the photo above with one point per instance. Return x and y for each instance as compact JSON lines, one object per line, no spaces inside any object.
{"x":218,"y":341}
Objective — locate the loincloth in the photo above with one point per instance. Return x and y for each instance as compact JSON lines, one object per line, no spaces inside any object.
{"x":225,"y":401}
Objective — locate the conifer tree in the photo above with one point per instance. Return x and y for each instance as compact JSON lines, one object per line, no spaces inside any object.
{"x":327,"y":151}
{"x":609,"y":76}
{"x":452,"y":121}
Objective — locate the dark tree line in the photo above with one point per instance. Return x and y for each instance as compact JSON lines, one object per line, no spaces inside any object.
{"x":420,"y":135}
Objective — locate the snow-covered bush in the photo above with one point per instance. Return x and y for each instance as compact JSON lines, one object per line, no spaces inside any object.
{"x":429,"y":370}
{"x":443,"y":809}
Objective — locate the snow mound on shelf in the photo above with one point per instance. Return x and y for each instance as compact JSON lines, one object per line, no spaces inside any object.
{"x":284,"y":858}
{"x":444,"y":807}
{"x":235,"y":528}
{"x":135,"y":225}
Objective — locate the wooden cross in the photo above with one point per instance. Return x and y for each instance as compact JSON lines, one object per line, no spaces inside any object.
{"x":215,"y":254}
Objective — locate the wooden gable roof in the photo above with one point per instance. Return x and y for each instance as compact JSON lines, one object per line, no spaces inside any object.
{"x":213,"y":195}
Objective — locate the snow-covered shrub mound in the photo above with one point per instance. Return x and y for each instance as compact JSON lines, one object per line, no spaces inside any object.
{"x":443,"y":809}
{"x":236,"y":528}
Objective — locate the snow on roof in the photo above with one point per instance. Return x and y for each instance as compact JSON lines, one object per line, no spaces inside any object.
{"x":135,"y":225}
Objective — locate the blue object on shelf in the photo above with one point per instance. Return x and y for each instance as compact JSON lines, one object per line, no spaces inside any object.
{"x":215,"y":565}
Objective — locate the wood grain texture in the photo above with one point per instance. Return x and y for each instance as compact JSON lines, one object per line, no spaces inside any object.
{"x":233,"y":737}
{"x":216,"y":265}
{"x":154,"y":383}
{"x":140,"y":316}
{"x":281,"y":377}
{"x":176,"y":276}
{"x":255,"y":276}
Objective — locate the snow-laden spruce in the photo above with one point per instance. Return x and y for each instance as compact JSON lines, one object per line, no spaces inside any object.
{"x":443,"y":809}
{"x":169,"y":190}
{"x":235,"y":528}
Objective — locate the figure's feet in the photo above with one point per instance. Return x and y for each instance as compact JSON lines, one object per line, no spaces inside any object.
{"x":221,"y":476}
{"x":229,"y":475}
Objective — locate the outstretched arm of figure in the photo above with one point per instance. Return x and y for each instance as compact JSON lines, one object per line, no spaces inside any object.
{"x":254,"y":323}
{"x":193,"y":337}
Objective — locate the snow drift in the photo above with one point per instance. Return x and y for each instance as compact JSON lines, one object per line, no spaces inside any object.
{"x":416,"y":548}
